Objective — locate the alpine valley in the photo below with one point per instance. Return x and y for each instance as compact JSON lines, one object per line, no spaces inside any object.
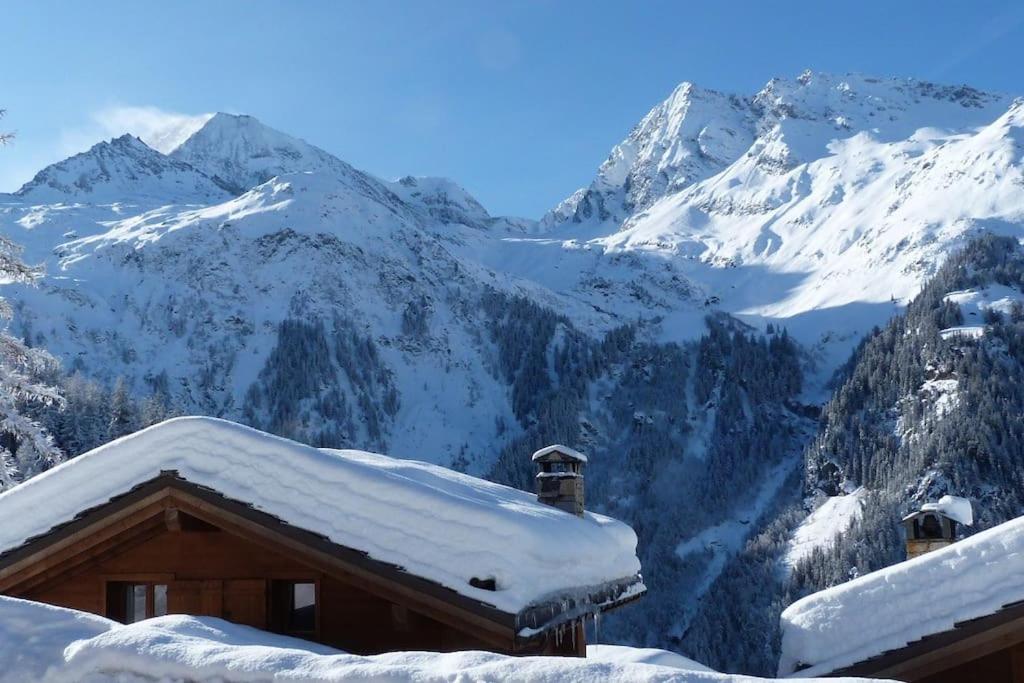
{"x":767,"y":321}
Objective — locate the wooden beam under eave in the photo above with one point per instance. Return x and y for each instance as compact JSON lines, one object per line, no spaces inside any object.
{"x":937,"y":653}
{"x":83,"y":542}
{"x":96,"y":555}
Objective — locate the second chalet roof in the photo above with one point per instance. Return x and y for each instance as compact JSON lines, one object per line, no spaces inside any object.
{"x":435,"y":523}
{"x":892,"y":608}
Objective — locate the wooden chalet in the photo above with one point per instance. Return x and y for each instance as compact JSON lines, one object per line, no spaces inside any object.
{"x":952,"y":613}
{"x":174,"y":520}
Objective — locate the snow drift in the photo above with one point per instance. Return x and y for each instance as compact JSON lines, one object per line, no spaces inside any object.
{"x":45,"y":644}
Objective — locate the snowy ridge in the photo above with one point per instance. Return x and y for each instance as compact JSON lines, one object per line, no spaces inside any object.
{"x":893,"y":607}
{"x":122,"y":169}
{"x":692,"y":135}
{"x":438,"y":524}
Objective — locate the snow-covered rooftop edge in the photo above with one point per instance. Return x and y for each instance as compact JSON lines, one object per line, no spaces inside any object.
{"x":893,"y":607}
{"x":436,"y":523}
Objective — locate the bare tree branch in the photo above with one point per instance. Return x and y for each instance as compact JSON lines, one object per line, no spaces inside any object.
{"x":5,"y":137}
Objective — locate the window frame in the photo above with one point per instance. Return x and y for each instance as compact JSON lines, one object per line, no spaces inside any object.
{"x":117,"y":591}
{"x":281,"y":614}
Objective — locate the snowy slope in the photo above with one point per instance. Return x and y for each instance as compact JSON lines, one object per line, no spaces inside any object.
{"x":832,"y":517}
{"x":191,"y":297}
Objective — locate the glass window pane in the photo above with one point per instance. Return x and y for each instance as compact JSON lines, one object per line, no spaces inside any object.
{"x":303,"y":617}
{"x":136,"y":607}
{"x":159,"y":600}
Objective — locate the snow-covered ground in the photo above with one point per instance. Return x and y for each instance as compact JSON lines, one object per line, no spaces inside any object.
{"x":832,"y":517}
{"x":436,"y":523}
{"x":963,"y":332}
{"x":895,"y":606}
{"x":974,"y":303}
{"x":944,"y":394}
{"x":44,"y":644}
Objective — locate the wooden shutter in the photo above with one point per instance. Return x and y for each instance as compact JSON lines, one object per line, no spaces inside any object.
{"x":184,"y":597}
{"x":245,"y":602}
{"x":198,"y":598}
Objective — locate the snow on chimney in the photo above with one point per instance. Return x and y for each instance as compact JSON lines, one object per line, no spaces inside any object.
{"x":560,"y":478}
{"x":934,"y":525}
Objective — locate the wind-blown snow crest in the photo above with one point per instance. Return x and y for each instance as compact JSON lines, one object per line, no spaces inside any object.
{"x":122,"y":170}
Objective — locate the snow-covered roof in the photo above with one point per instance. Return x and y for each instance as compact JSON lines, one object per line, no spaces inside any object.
{"x":437,"y":524}
{"x":558,"y":448}
{"x":893,"y":607}
{"x":956,"y":508}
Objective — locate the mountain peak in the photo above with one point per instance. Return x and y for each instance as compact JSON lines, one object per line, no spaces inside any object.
{"x":124,"y":168}
{"x":696,"y":133}
{"x":443,"y":199}
{"x":691,"y":135}
{"x":239,"y":152}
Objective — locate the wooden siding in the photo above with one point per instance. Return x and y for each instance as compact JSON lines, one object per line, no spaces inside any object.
{"x":214,"y":573}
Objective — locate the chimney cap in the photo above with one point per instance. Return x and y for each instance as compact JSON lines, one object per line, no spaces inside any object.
{"x":953,"y":507}
{"x":558,"y":453}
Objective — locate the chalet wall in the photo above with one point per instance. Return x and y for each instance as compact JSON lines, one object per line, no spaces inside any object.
{"x":210,"y":572}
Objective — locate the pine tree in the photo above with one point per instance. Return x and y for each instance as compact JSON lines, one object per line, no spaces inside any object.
{"x":124,"y":418}
{"x":26,"y":447}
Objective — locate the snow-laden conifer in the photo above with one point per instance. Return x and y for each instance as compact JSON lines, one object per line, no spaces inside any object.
{"x":25,"y":446}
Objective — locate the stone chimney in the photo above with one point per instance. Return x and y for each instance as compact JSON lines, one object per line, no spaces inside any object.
{"x":560,"y":478}
{"x":934,"y":526}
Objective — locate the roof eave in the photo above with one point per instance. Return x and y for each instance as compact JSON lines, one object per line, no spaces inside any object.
{"x":566,"y":607}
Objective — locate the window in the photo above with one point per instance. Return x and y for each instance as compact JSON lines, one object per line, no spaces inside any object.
{"x":930,"y":527}
{"x":294,"y":607}
{"x":129,"y":602}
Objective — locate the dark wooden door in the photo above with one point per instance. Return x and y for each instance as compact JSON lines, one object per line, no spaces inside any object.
{"x":245,"y":602}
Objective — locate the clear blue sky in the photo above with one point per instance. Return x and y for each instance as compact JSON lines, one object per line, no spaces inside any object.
{"x":518,"y":101}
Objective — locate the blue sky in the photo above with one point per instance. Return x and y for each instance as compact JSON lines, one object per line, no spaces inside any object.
{"x":518,"y":101}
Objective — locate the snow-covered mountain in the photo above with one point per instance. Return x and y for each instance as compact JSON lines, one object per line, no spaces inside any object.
{"x":248,"y":274}
{"x":815,"y":203}
{"x":185,"y":291}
